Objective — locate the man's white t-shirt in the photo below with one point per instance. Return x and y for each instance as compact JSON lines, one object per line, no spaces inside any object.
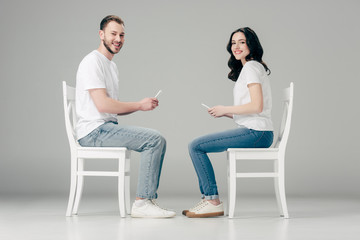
{"x":253,"y":72}
{"x":95,"y":71}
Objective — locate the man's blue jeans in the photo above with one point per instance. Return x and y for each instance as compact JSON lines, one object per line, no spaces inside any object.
{"x":147,"y":141}
{"x":218,"y":142}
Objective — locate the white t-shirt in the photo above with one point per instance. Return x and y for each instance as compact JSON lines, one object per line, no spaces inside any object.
{"x":95,"y":71}
{"x":253,"y":72}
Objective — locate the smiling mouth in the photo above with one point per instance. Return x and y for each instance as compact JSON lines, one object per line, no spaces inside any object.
{"x":117,"y":45}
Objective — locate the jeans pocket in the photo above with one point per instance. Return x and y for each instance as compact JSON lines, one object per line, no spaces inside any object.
{"x":268,"y":138}
{"x":90,"y":139}
{"x":265,"y":139}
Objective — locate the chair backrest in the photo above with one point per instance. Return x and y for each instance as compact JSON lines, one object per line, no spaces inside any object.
{"x":70,"y":113}
{"x":287,"y":99}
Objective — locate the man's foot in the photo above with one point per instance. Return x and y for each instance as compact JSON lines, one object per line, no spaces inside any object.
{"x":205,"y":209}
{"x":148,"y":208}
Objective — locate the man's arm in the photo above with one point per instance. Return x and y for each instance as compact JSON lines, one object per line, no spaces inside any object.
{"x":105,"y":104}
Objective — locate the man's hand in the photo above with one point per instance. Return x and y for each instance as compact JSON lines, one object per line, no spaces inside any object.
{"x":148,"y":104}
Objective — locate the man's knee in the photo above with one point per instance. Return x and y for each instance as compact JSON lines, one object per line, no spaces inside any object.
{"x":161,"y":140}
{"x":157,"y":138}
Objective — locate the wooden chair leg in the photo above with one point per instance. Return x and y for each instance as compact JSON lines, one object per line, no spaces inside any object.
{"x":231,"y":184}
{"x":121,"y":186}
{"x":73,"y":185}
{"x":80,"y":186}
{"x":127,"y":182}
{"x":280,"y":189}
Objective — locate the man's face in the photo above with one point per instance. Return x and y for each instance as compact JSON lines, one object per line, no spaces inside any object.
{"x":113,"y":37}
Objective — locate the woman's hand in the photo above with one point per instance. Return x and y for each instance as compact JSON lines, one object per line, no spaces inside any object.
{"x":218,"y":111}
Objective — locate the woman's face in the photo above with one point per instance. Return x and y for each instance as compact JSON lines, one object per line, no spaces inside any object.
{"x":239,"y":47}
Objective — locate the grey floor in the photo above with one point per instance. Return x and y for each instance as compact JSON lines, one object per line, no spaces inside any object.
{"x":256,"y":218}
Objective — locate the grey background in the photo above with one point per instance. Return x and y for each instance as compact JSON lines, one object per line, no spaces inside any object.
{"x":179,"y":47}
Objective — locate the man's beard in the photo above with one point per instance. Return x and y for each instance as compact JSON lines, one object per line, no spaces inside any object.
{"x":108,"y":48}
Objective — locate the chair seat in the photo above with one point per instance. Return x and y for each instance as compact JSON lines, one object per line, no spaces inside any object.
{"x":254,"y":153}
{"x":100,"y":152}
{"x":254,"y":149}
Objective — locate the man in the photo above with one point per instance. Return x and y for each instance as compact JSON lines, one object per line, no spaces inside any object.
{"x":97,"y":107}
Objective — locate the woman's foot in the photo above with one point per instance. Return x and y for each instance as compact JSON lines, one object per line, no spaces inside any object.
{"x":206,"y":208}
{"x":184,"y":212}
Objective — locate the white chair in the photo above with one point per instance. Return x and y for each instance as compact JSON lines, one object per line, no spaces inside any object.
{"x":79,"y":154}
{"x":275,"y":154}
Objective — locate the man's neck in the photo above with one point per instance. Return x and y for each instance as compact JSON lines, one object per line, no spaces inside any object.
{"x":105,"y":52}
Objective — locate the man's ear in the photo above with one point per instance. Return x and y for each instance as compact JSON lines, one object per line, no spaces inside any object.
{"x":101,"y":34}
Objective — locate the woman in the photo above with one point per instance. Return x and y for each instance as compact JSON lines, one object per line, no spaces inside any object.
{"x":251,"y":112}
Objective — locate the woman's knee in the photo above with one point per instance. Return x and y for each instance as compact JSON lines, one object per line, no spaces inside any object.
{"x":194,"y":145}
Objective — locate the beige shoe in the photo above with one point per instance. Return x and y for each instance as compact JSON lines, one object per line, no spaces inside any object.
{"x":184,"y":212}
{"x":206,"y":209}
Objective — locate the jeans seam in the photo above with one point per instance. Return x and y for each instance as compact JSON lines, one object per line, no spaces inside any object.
{"x":150,"y":145}
{"x":220,"y":139}
{"x":206,"y":172}
{"x":148,"y":172}
{"x":259,"y":138}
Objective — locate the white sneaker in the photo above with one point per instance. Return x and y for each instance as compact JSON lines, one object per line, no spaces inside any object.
{"x":184,"y":212}
{"x":150,"y":209}
{"x":206,"y":209}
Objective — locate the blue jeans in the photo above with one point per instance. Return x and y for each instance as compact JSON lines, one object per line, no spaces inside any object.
{"x":147,"y":141}
{"x":218,"y":142}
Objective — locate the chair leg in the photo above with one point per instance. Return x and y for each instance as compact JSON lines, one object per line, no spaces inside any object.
{"x":79,"y":189}
{"x":231,"y":184}
{"x":121,"y":185}
{"x":73,"y":186}
{"x":127,"y":183}
{"x":127,"y":195}
{"x":279,"y":183}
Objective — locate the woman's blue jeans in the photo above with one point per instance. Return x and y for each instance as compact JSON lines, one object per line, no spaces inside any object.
{"x":218,"y":142}
{"x":147,"y":141}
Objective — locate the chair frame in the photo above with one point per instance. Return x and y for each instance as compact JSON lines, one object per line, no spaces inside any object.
{"x":276,"y":153}
{"x":79,"y":154}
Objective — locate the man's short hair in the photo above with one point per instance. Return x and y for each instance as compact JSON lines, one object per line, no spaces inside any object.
{"x":108,"y":19}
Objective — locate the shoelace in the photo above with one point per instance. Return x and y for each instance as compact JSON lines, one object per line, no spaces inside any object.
{"x":157,"y":205}
{"x":199,"y":205}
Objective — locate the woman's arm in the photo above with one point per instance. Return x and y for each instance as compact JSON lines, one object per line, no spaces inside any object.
{"x":254,"y":106}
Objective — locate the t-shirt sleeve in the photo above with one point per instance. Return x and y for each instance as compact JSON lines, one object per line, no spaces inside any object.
{"x":90,"y":74}
{"x":253,"y":72}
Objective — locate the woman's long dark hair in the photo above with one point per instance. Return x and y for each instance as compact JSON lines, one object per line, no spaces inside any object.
{"x":256,"y":53}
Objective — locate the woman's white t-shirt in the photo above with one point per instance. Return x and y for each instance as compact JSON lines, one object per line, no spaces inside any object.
{"x":95,"y":71}
{"x":253,"y":72}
